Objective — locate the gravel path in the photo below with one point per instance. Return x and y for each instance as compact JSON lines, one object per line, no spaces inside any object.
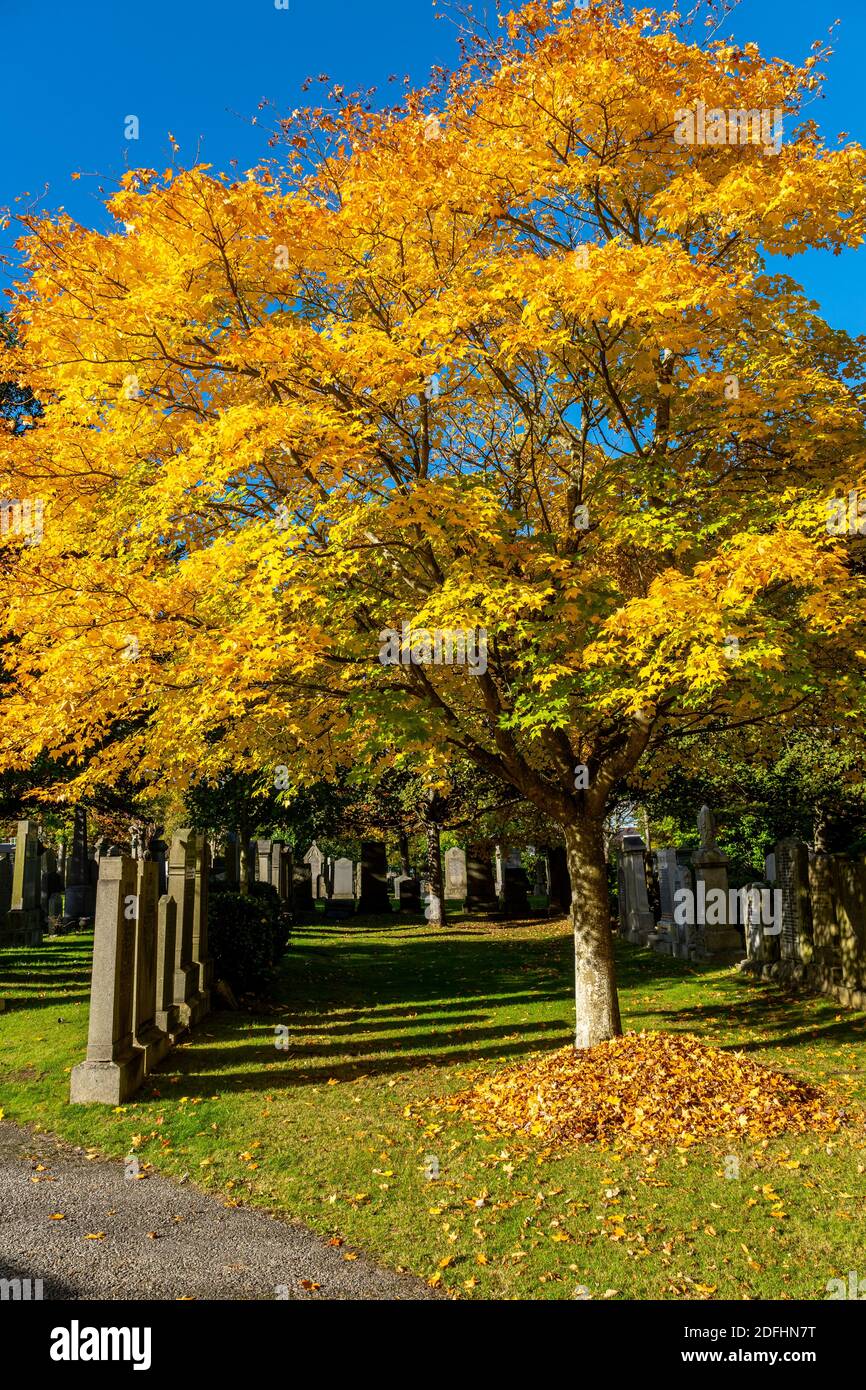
{"x":161,"y":1239}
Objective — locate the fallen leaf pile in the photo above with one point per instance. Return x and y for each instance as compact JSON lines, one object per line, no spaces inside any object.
{"x":645,"y":1088}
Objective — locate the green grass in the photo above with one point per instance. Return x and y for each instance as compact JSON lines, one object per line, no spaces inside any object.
{"x":383,"y":1017}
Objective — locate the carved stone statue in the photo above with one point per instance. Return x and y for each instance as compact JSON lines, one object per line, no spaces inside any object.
{"x":707,"y":828}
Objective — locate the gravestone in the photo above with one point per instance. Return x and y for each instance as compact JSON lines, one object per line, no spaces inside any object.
{"x":560,"y":880}
{"x":232,"y":862}
{"x":114,"y":1067}
{"x":321,"y":887}
{"x":282,"y":871}
{"x":181,"y":887}
{"x":315,"y":858}
{"x":541,"y":880}
{"x":343,"y":879}
{"x":167,"y":1015}
{"x":635,"y":916}
{"x":770,"y":868}
{"x":374,"y":878}
{"x":710,"y":865}
{"x":684,"y":935}
{"x":826,"y":942}
{"x":792,"y":877}
{"x":262,"y":861}
{"x":24,"y":918}
{"x":302,"y":894}
{"x":202,"y":963}
{"x":150,"y":1040}
{"x":77,"y":902}
{"x":455,"y":874}
{"x":850,"y":896}
{"x":753,"y":922}
{"x":157,"y":850}
{"x":666,"y":861}
{"x":515,"y":890}
{"x":498,"y":877}
{"x":5,"y":889}
{"x":480,"y":886}
{"x":409,"y":891}
{"x":341,"y":897}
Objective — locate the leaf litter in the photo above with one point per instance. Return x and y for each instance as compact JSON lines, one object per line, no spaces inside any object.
{"x":659,"y":1088}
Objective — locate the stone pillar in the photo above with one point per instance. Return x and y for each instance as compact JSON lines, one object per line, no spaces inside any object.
{"x":409,"y":893}
{"x":455,"y":874}
{"x":202,"y":963}
{"x":181,"y":887}
{"x":374,"y":895}
{"x":150,"y":1039}
{"x":560,"y":882}
{"x":792,"y":869}
{"x":24,"y":919}
{"x":167,"y":1016}
{"x":515,"y":887}
{"x":232,"y":861}
{"x":498,"y":876}
{"x":826,"y":954}
{"x":666,"y":859}
{"x":77,"y":897}
{"x":636,"y":918}
{"x":315,"y":858}
{"x":719,"y":933}
{"x":480,"y":886}
{"x":262,"y":861}
{"x":302,"y":890}
{"x":114,"y":1067}
{"x":850,"y":881}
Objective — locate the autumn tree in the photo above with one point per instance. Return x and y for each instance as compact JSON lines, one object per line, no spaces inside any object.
{"x":505,"y":361}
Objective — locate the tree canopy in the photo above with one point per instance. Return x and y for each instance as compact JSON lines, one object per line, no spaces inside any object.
{"x":506,"y":360}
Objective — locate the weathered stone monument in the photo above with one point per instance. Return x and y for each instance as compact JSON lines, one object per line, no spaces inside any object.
{"x":560,"y":881}
{"x":455,"y":874}
{"x":181,"y":887}
{"x":718,"y":930}
{"x":480,"y":886}
{"x":24,"y":918}
{"x":77,"y":900}
{"x":515,"y":886}
{"x":315,"y":858}
{"x":635,"y":916}
{"x":202,"y":963}
{"x":148,"y":1038}
{"x":341,"y":895}
{"x":302,"y":891}
{"x":115,"y":1066}
{"x":374,"y":895}
{"x":167,"y":1014}
{"x":409,"y":893}
{"x":792,"y":875}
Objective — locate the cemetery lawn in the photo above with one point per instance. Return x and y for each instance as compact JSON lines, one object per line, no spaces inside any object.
{"x":385,"y":1017}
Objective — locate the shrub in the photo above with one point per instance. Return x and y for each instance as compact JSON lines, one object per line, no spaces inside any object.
{"x":247,"y":936}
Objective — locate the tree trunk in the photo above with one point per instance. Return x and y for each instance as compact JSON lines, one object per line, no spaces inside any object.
{"x":405,"y":867}
{"x":597,"y":1006}
{"x":435,"y":911}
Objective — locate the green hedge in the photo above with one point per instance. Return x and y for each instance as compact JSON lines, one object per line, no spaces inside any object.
{"x":247,"y":936}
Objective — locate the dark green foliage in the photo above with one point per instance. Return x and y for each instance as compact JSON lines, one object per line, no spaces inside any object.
{"x":247,"y":936}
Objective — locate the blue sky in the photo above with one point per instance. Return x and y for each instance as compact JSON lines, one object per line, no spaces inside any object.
{"x":199,"y":68}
